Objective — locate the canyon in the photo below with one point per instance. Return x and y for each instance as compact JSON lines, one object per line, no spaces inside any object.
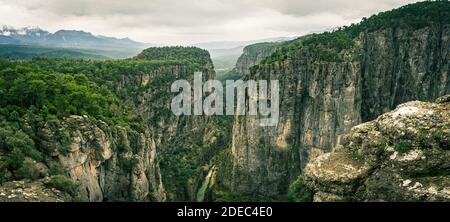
{"x":350,"y":125}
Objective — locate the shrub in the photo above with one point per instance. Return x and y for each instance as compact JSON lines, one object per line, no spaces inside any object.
{"x":31,"y":169}
{"x":62,"y":183}
{"x":299,"y":192}
{"x":402,"y":147}
{"x":55,"y":168}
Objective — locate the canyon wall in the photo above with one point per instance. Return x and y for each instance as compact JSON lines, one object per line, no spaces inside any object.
{"x":324,"y":93}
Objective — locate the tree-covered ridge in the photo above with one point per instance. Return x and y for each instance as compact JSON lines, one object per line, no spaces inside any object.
{"x":258,"y":47}
{"x":24,"y":85}
{"x":326,"y":45}
{"x":30,"y":98}
{"x":41,"y":91}
{"x":178,"y":53}
{"x":107,"y":72}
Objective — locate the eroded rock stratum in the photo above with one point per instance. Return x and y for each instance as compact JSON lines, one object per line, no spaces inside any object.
{"x":403,"y":155}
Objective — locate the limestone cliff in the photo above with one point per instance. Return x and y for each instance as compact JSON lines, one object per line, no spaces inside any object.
{"x":332,"y":82}
{"x":106,"y":163}
{"x":185,"y":144}
{"x":253,"y":55}
{"x":403,"y":155}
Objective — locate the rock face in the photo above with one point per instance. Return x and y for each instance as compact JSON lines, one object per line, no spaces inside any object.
{"x":253,"y":55}
{"x":184,"y":143}
{"x":30,"y":191}
{"x":106,"y":163}
{"x":322,"y":99}
{"x":403,"y":155}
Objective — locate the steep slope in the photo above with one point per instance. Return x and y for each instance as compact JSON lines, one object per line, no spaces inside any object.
{"x":253,"y":55}
{"x":101,"y":130}
{"x":331,"y":82}
{"x":186,"y":144}
{"x":403,"y":155}
{"x":57,"y":124}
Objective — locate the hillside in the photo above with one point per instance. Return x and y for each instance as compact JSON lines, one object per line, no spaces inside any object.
{"x":333,"y":81}
{"x":72,"y":42}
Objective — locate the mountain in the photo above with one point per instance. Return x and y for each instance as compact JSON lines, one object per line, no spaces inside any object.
{"x":225,"y":53}
{"x":333,"y":81}
{"x":25,"y":35}
{"x":71,"y":39}
{"x":81,"y":39}
{"x":253,"y":55}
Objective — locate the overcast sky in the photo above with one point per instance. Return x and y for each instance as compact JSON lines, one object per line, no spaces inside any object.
{"x":191,"y":21}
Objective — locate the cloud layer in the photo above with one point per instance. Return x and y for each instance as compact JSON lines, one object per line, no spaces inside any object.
{"x":191,"y":21}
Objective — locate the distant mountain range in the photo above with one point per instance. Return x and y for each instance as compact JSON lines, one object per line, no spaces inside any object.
{"x":65,"y":40}
{"x":30,"y":42}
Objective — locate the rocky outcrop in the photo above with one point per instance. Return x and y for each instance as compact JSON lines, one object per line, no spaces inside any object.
{"x":30,"y":191}
{"x":253,"y":55}
{"x":106,"y":163}
{"x":403,"y":155}
{"x":324,"y":94}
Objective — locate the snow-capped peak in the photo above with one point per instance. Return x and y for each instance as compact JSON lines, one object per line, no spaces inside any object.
{"x":10,"y":30}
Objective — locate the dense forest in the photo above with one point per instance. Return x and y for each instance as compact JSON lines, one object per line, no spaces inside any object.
{"x":327,"y":45}
{"x":44,"y":91}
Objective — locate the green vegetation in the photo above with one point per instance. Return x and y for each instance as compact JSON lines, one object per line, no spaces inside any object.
{"x":442,"y":137}
{"x":255,"y":49}
{"x":190,"y":54}
{"x":43,"y":91}
{"x":223,"y":76}
{"x":31,"y":169}
{"x":402,"y":147}
{"x":28,"y":52}
{"x":181,"y":161}
{"x":62,"y":183}
{"x":299,"y":192}
{"x":327,"y":46}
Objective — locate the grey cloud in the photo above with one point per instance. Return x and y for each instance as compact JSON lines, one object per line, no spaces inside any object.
{"x":194,"y":20}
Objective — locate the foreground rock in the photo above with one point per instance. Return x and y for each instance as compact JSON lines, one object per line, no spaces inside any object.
{"x":30,"y":191}
{"x":106,"y":163}
{"x":403,"y":155}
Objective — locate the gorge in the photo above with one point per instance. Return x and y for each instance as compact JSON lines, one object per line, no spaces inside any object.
{"x":92,"y":130}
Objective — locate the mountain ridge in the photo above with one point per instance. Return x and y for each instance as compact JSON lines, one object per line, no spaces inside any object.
{"x":66,"y":38}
